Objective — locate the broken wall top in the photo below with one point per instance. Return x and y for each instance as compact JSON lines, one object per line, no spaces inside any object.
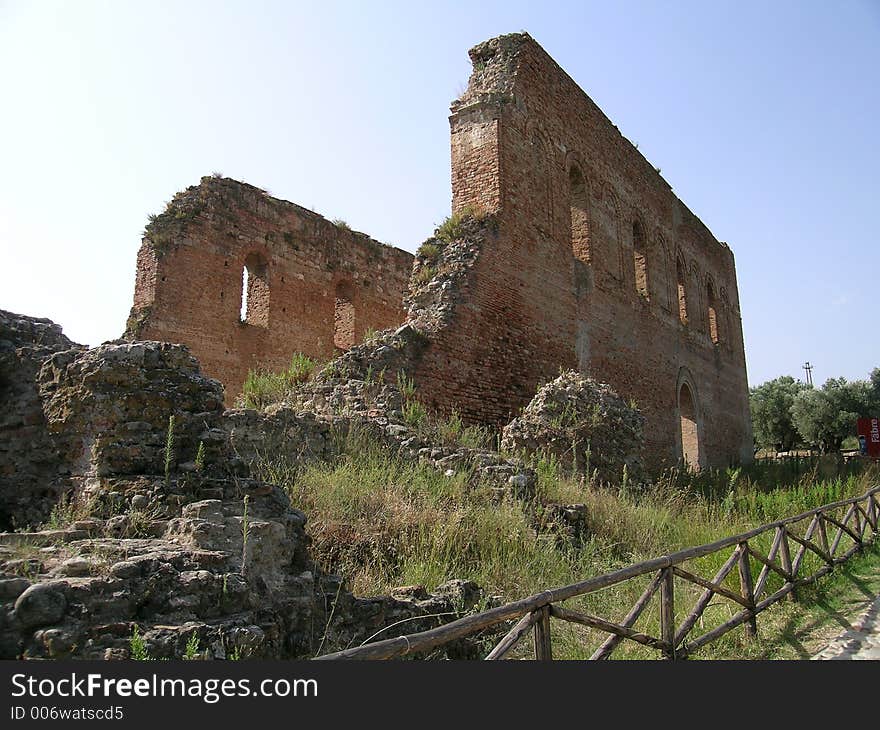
{"x":509,"y":69}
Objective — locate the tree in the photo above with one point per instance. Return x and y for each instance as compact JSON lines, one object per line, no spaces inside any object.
{"x":873,"y":394}
{"x":771,"y":405}
{"x":826,"y":417}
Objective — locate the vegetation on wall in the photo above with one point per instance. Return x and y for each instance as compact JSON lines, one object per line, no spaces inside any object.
{"x":263,"y":387}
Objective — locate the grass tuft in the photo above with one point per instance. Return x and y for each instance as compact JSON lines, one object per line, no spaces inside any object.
{"x":263,"y":388}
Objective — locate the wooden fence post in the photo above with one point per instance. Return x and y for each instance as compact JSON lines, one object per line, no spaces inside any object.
{"x":785,"y":559}
{"x":857,"y":524}
{"x":543,"y":648}
{"x":747,"y":588}
{"x":667,"y":611}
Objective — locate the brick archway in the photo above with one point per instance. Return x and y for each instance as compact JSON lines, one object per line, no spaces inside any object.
{"x":690,"y":441}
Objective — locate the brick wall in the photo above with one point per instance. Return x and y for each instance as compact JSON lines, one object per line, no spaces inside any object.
{"x":311,"y":286}
{"x":582,"y":272}
{"x":593,"y":264}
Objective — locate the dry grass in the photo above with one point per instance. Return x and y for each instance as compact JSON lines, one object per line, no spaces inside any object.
{"x":382,"y":522}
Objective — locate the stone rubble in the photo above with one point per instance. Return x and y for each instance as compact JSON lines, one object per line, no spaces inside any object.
{"x":193,"y":550}
{"x":584,"y":425}
{"x":202,"y":553}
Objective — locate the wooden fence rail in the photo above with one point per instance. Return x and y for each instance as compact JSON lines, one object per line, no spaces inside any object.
{"x":785,"y":559}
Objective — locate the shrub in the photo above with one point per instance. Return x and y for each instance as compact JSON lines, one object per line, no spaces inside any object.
{"x":429,"y":250}
{"x":450,"y":228}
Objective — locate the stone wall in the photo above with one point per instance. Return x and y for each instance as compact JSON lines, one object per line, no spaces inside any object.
{"x":30,"y":464}
{"x":312,"y":286}
{"x":183,"y":551}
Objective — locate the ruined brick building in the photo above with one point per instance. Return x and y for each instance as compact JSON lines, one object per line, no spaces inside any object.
{"x":594,"y":264}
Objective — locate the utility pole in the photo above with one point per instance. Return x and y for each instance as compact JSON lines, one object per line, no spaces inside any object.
{"x":808,"y":369}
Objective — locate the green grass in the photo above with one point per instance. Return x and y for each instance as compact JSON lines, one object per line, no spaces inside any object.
{"x":429,"y":250}
{"x":451,"y":226}
{"x":263,"y":388}
{"x":382,"y":522}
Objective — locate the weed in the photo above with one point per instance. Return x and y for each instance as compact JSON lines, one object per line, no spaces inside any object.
{"x":137,"y":646}
{"x":424,"y":274}
{"x":452,"y":226}
{"x":414,"y":413}
{"x":429,"y":250}
{"x":200,"y":457}
{"x":383,"y":521}
{"x":192,"y":648}
{"x":405,"y":385}
{"x":68,"y":510}
{"x":169,"y":448}
{"x":245,"y":533}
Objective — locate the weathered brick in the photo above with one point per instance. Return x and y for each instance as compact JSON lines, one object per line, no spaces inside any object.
{"x":313,"y":286}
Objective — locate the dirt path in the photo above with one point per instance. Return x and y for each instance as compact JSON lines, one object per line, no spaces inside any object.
{"x":861,"y":640}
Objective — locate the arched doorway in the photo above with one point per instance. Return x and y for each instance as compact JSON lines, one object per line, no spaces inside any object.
{"x":689,"y":427}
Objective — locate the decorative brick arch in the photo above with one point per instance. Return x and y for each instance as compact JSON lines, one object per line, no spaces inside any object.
{"x":681,"y":277}
{"x":607,"y":231}
{"x":580,"y":218}
{"x":641,"y":255}
{"x":727,"y":316}
{"x":660,"y":280}
{"x":540,"y":174}
{"x":714,"y":318}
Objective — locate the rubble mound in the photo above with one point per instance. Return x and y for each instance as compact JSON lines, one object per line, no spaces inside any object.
{"x":584,"y":425}
{"x":158,"y":541}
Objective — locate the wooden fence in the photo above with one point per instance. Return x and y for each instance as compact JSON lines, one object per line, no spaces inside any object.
{"x":832,"y":533}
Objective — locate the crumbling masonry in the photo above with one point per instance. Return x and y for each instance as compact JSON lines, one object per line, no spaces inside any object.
{"x":591,"y":263}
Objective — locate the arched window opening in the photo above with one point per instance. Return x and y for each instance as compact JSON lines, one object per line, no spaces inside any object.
{"x":714,"y":321}
{"x":640,"y":260}
{"x":682,"y":292}
{"x":255,"y":291}
{"x":344,"y":317}
{"x":580,"y":216}
{"x":690,"y":439}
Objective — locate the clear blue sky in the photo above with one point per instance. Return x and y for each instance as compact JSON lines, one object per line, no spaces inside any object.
{"x":764,"y":117}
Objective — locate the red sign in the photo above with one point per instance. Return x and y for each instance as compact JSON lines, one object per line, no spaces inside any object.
{"x":869,"y":436}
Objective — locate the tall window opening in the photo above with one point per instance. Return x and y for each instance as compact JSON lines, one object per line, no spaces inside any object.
{"x":255,"y":291}
{"x":690,"y":440}
{"x":682,"y":292}
{"x":580,"y":216}
{"x":640,"y":260}
{"x":712,"y":304}
{"x":344,"y":316}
